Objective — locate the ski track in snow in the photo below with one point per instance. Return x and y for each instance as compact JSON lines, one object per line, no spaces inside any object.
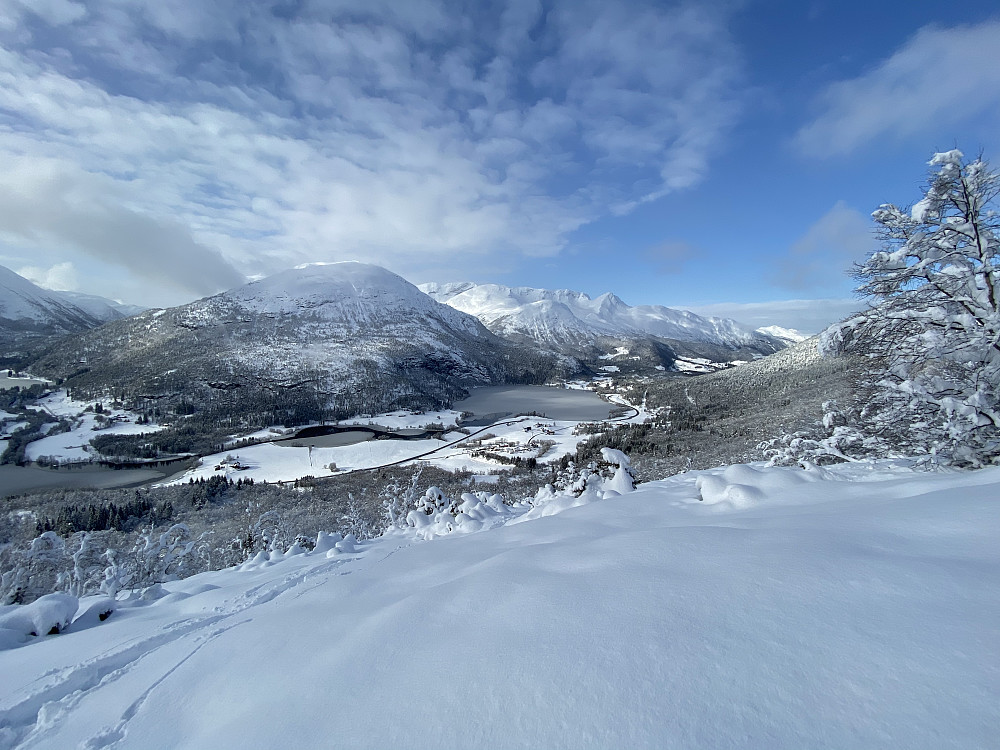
{"x":742,"y":606}
{"x":46,"y":709}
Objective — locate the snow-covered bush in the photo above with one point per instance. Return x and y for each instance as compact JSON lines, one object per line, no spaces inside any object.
{"x":156,"y":558}
{"x":397,"y":500}
{"x":832,"y":439}
{"x":50,"y":563}
{"x":47,"y":615}
{"x":436,"y":514}
{"x":623,"y":480}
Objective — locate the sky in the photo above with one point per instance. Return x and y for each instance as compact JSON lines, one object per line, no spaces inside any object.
{"x":719,"y":156}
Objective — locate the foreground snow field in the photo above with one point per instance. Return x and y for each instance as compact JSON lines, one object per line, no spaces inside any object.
{"x":854,"y":608}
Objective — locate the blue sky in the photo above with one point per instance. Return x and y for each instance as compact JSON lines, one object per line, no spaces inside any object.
{"x":722,"y":156}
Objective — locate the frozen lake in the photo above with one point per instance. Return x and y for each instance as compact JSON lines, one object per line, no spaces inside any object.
{"x":560,"y":404}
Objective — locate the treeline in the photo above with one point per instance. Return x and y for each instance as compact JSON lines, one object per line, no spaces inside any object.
{"x":100,"y":517}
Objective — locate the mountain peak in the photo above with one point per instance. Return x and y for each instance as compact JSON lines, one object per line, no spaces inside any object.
{"x":565,"y":318}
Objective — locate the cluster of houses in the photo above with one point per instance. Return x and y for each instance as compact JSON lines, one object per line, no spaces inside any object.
{"x":231,"y":462}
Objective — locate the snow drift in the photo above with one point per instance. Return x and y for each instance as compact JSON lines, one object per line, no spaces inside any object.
{"x":826,"y":609}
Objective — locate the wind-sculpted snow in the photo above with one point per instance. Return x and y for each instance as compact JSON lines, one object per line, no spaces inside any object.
{"x":826,"y":609}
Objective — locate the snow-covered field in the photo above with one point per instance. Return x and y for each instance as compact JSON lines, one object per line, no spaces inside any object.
{"x":74,"y":445}
{"x":283,"y":462}
{"x":273,"y":462}
{"x":741,"y":607}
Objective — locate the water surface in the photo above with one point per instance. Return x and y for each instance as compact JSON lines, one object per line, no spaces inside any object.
{"x":15,"y":480}
{"x":554,"y":403}
{"x":6,"y":382}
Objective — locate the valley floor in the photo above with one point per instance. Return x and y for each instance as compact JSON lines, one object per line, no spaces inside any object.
{"x":741,"y":607}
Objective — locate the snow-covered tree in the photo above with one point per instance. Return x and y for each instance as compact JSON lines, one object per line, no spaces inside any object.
{"x":932,"y":334}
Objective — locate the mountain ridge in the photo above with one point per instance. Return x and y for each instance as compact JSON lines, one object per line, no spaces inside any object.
{"x":574,"y":323}
{"x":30,"y":313}
{"x":314,"y":342}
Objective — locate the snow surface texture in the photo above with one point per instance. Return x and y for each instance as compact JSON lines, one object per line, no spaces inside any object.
{"x":854,"y":608}
{"x":554,"y":317}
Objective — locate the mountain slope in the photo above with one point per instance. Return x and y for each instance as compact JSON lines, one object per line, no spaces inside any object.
{"x":573,"y":323}
{"x":29,"y":313}
{"x":789,"y":335}
{"x":308,"y":343}
{"x":102,"y":308}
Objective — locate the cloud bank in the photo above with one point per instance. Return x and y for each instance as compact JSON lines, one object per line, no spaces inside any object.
{"x":205,"y":142}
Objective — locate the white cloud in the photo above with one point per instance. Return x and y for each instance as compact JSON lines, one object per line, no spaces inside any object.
{"x":61,"y":277}
{"x":52,"y":204}
{"x":406,"y":134}
{"x":804,"y":315}
{"x":841,"y":237}
{"x":53,"y":12}
{"x":940,"y":77}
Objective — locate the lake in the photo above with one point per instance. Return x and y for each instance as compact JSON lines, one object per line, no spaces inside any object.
{"x":335,"y":440}
{"x":6,"y":382}
{"x":17,"y":479}
{"x":560,"y":404}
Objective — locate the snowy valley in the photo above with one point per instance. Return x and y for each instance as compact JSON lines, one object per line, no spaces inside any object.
{"x":512,"y":375}
{"x":571,"y":522}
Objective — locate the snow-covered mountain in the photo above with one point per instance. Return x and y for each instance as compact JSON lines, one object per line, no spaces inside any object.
{"x":572,"y":322}
{"x":28,"y":312}
{"x":315,"y":341}
{"x":788,"y":335}
{"x":102,"y":308}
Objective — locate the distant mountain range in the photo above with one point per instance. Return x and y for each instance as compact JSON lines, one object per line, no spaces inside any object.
{"x":314,"y":342}
{"x":598,"y":329}
{"x":331,"y":340}
{"x":788,"y":335}
{"x":29,"y":313}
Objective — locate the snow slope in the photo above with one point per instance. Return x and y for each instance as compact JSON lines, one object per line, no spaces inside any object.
{"x":785,"y":609}
{"x":102,"y":308}
{"x":558,"y":317}
{"x":29,"y":310}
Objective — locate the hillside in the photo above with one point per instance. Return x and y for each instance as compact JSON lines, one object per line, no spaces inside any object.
{"x":314,"y":342}
{"x":721,"y":418}
{"x":741,"y":607}
{"x":29,"y":315}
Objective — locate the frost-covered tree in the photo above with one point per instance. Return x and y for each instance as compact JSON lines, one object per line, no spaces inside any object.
{"x":932,"y":333}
